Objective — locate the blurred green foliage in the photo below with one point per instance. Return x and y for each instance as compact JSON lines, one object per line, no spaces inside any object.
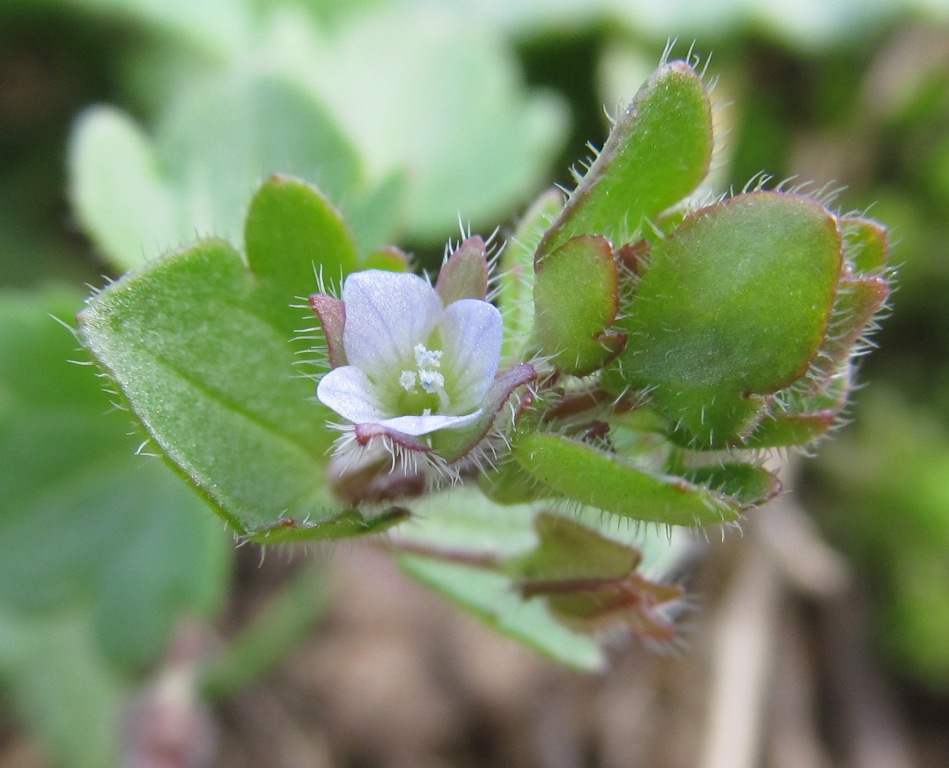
{"x":459,"y":109}
{"x":104,"y":551}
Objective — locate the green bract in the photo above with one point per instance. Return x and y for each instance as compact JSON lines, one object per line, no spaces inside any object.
{"x":634,"y":354}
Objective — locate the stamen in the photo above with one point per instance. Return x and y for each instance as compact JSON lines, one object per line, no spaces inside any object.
{"x":427,"y":358}
{"x":431,"y":381}
{"x":408,"y":380}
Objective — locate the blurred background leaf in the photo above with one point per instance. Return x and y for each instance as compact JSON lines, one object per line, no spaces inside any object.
{"x":104,"y":551}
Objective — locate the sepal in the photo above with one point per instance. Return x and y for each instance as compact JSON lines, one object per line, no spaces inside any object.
{"x":464,"y":275}
{"x":332,"y":316}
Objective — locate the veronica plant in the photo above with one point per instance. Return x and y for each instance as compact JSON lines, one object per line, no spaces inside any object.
{"x":628,"y":354}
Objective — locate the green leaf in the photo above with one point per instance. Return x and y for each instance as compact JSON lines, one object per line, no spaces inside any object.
{"x":515,"y":296}
{"x":85,"y":524}
{"x":61,"y":687}
{"x":734,"y":305}
{"x":591,"y":477}
{"x":207,"y":369}
{"x":590,"y":581}
{"x":335,"y":525}
{"x":805,"y":413}
{"x":138,"y":197}
{"x":489,"y":596}
{"x":199,"y":344}
{"x":119,"y":189}
{"x":575,"y":300}
{"x":569,"y":550}
{"x":290,"y":230}
{"x":749,"y":484}
{"x":509,"y":484}
{"x":465,"y":547}
{"x":785,"y":429}
{"x":866,"y":244}
{"x":858,"y":302}
{"x":449,"y":109}
{"x":657,"y":153}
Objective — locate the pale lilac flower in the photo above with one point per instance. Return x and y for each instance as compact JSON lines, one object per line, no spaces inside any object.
{"x":414,"y":377}
{"x":414,"y":366}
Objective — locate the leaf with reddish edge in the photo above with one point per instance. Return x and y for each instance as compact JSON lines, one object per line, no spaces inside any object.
{"x":768,"y":263}
{"x":595,"y":605}
{"x":866,"y":244}
{"x":810,"y":411}
{"x":569,"y":550}
{"x":733,"y":307}
{"x":804,"y":415}
{"x":332,"y":315}
{"x":343,"y":525}
{"x":590,"y":581}
{"x":464,"y":275}
{"x":858,"y":301}
{"x":575,"y":301}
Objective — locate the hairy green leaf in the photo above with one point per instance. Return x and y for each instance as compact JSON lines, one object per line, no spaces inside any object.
{"x":657,"y":153}
{"x":199,"y":343}
{"x":591,"y":477}
{"x":734,"y":304}
{"x":575,"y":300}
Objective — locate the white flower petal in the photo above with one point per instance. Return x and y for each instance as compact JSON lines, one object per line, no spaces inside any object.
{"x":387,"y":314}
{"x":347,"y":391}
{"x":471,"y":333}
{"x":426,"y":424}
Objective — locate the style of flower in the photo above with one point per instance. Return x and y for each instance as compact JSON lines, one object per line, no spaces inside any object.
{"x":415,"y":365}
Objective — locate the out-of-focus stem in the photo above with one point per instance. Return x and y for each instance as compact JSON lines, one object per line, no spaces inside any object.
{"x":289,"y":616}
{"x":744,"y":643}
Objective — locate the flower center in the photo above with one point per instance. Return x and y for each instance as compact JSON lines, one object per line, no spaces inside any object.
{"x":424,"y":388}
